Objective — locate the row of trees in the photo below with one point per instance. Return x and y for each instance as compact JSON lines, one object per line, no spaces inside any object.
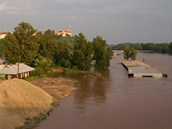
{"x":37,"y":49}
{"x":156,"y":47}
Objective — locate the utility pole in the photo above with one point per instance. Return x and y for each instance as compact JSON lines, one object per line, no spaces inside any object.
{"x":17,"y":70}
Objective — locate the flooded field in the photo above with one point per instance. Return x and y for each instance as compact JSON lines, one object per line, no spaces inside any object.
{"x":115,"y":101}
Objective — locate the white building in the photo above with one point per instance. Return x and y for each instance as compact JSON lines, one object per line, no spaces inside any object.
{"x":64,"y":33}
{"x":2,"y":35}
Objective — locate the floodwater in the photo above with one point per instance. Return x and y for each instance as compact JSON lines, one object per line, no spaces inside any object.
{"x":115,"y":101}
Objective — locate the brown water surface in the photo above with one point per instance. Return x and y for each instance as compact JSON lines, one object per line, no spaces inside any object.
{"x":115,"y":101}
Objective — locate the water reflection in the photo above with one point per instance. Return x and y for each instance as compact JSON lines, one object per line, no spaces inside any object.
{"x":91,"y":89}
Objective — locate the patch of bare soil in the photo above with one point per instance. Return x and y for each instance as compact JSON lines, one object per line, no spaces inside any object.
{"x":56,"y":87}
{"x":57,"y":70}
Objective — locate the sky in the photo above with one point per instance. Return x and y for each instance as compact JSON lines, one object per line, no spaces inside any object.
{"x":117,"y":21}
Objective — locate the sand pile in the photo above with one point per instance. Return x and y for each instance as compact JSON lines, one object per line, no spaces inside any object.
{"x":20,"y":99}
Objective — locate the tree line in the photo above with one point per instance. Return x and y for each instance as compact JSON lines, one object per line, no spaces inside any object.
{"x":43,"y":50}
{"x":155,"y":47}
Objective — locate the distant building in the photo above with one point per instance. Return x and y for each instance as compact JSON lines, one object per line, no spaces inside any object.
{"x":3,"y":34}
{"x":64,"y":33}
{"x":18,"y":70}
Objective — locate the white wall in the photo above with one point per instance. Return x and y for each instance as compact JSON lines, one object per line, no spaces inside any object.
{"x":2,"y":36}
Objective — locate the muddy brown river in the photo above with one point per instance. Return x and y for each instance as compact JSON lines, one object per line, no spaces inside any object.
{"x":115,"y":101}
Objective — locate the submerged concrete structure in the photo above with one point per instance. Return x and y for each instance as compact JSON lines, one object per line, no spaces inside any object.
{"x":138,"y":68}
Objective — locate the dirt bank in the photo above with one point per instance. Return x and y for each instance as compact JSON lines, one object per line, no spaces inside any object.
{"x":20,"y":99}
{"x":56,"y":87}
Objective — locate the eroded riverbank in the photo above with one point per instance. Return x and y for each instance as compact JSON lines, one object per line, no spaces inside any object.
{"x":57,"y":87}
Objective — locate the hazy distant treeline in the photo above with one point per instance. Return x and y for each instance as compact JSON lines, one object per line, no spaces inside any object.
{"x":156,"y":47}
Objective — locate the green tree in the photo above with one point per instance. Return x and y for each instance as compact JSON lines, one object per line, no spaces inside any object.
{"x":64,"y":51}
{"x":43,"y":65}
{"x":133,"y":54}
{"x":1,"y":47}
{"x":149,"y":46}
{"x":21,"y":45}
{"x":102,"y":54}
{"x":170,"y":48}
{"x":82,"y":53}
{"x":137,"y":46}
{"x":47,"y":44}
{"x":129,"y":52}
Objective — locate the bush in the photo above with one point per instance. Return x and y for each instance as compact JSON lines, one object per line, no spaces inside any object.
{"x":129,"y":52}
{"x":42,"y":65}
{"x":68,"y":64}
{"x":75,"y":67}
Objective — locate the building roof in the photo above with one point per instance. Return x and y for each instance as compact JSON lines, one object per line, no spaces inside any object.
{"x":65,"y":32}
{"x":16,"y":69}
{"x":1,"y":33}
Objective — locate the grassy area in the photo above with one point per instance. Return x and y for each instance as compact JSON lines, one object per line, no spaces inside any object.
{"x":34,"y":77}
{"x":59,"y":70}
{"x":68,"y":70}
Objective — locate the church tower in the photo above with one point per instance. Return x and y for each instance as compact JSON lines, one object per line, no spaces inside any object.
{"x":69,"y":28}
{"x":64,"y":33}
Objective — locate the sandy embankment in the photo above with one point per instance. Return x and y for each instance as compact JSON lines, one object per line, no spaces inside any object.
{"x":20,"y":99}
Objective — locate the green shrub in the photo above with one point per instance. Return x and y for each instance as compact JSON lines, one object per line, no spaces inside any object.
{"x":42,"y":65}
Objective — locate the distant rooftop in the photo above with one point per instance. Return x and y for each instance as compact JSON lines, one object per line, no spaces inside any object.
{"x":65,"y":32}
{"x":1,"y":33}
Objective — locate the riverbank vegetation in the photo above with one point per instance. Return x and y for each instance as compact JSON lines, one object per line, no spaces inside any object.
{"x":44,"y":50}
{"x":154,"y":47}
{"x":129,"y":52}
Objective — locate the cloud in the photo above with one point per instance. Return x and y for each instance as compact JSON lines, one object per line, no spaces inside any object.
{"x":8,"y":9}
{"x":79,"y":6}
{"x":112,"y":17}
{"x":4,"y":7}
{"x":17,"y":6}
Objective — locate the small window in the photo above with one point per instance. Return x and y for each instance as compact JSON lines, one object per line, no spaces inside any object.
{"x":130,"y":75}
{"x":147,"y":76}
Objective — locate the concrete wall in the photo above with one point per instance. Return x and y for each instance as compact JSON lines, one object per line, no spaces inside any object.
{"x":156,"y":75}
